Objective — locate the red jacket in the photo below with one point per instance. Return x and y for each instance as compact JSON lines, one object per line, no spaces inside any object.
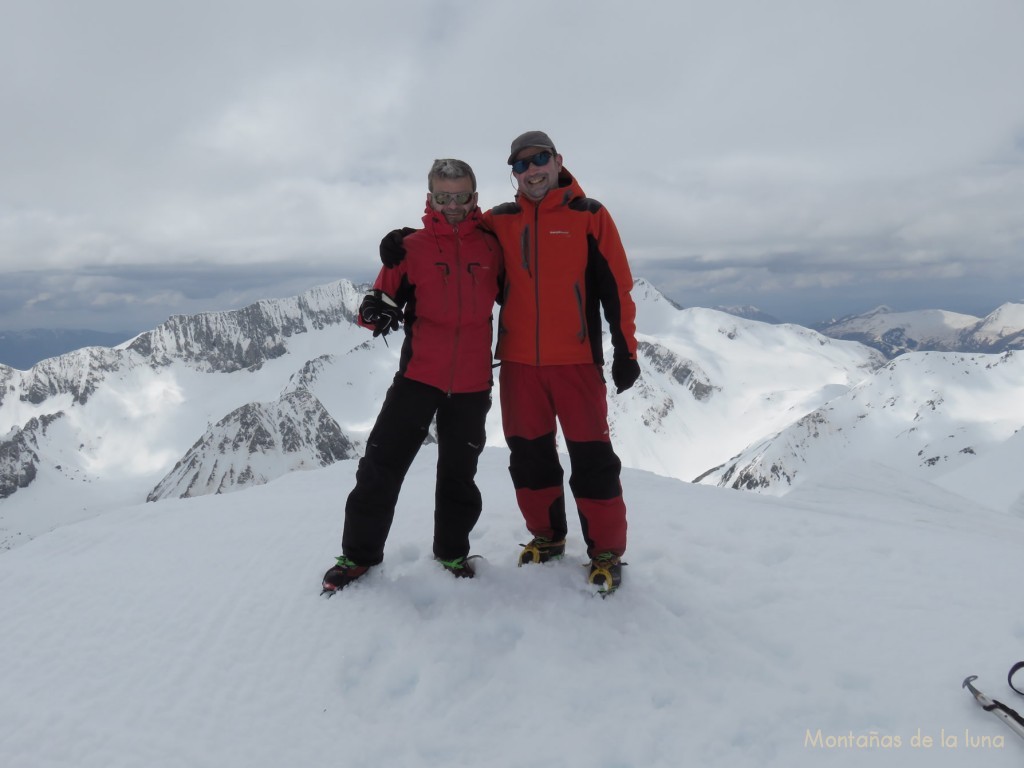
{"x":446,"y":285}
{"x":564,"y":264}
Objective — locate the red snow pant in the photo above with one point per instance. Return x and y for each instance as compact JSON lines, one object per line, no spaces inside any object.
{"x":532,"y":398}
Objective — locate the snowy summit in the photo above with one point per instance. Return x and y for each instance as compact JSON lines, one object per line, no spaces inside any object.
{"x":824,"y":613}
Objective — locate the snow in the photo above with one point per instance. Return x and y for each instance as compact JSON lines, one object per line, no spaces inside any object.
{"x":928,"y":413}
{"x":1007,"y":319}
{"x":924,"y":325}
{"x":760,"y":379}
{"x":825,"y":623}
{"x":831,"y":627}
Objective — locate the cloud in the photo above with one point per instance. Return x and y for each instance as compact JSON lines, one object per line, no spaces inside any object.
{"x":286,"y":139}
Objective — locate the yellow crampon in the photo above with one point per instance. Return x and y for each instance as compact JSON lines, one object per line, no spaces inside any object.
{"x":540,"y":550}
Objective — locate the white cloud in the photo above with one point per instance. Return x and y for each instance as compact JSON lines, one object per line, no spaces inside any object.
{"x":269,"y":134}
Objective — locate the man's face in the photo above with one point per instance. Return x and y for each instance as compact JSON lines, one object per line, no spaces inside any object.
{"x":446,"y":195}
{"x":537,"y":180}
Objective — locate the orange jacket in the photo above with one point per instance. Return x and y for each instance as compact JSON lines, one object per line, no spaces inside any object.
{"x":446,"y":285}
{"x":564,"y":263}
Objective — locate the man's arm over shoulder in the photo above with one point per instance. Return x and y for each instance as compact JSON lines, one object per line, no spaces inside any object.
{"x":392,"y":246}
{"x":489,"y":220}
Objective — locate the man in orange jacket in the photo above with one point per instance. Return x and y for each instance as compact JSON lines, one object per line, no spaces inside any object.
{"x":564,"y":265}
{"x":444,"y":291}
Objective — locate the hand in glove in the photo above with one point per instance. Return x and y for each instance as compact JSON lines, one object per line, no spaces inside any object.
{"x":379,"y":312}
{"x":625,"y":372}
{"x":392,"y":252}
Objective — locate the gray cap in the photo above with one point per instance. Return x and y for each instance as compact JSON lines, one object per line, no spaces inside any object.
{"x":530,"y":139}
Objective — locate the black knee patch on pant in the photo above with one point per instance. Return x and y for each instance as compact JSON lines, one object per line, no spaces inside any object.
{"x":534,"y":463}
{"x":595,"y":470}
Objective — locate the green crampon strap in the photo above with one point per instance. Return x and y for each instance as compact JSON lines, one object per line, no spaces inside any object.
{"x":457,"y":564}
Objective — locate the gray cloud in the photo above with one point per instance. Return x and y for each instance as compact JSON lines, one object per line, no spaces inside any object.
{"x":170,"y":157}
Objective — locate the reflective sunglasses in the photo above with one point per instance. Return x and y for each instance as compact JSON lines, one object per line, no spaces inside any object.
{"x":459,"y":198}
{"x":540,"y":160}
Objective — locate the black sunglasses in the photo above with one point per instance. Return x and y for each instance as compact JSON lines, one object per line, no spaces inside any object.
{"x":443,"y":198}
{"x":540,"y":160}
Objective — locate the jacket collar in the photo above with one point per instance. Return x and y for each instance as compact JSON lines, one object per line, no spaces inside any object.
{"x":568,"y":189}
{"x":438,"y":224}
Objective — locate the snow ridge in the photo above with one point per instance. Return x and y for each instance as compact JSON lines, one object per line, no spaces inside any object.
{"x":255,"y":444}
{"x":940,"y":410}
{"x":248,"y":337}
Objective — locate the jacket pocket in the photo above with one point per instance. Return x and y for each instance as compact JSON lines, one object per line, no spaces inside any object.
{"x":581,"y":335}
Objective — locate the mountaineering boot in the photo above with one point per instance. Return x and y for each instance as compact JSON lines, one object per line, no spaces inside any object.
{"x":341,"y":575}
{"x":541,"y":549}
{"x":459,"y":567}
{"x":606,"y":571}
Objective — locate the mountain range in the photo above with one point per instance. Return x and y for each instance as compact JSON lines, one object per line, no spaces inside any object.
{"x":216,"y":402}
{"x":888,"y":331}
{"x":932,"y":330}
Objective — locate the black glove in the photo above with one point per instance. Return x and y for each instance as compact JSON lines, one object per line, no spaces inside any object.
{"x":392,"y":252}
{"x":376,"y":311}
{"x":625,"y":372}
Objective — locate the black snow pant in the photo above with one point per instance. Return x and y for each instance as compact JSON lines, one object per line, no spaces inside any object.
{"x":394,"y":441}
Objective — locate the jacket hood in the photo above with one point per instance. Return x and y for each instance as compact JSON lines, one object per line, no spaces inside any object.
{"x":438,"y":224}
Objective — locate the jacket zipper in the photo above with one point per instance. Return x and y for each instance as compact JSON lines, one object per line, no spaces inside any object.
{"x":458,"y":309}
{"x":536,"y":274}
{"x":582,"y":335}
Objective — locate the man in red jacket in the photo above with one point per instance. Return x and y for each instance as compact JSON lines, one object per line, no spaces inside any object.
{"x":564,"y":266}
{"x":444,"y":290}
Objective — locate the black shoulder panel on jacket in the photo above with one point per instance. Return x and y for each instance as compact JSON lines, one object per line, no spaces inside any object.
{"x":505,"y":209}
{"x":588,"y":204}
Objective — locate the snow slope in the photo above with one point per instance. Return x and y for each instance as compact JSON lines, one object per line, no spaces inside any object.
{"x":829,"y":628}
{"x":928,"y":413}
{"x":1005,"y":322}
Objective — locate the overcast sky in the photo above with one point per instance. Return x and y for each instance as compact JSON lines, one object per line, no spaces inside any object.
{"x":810,"y":157}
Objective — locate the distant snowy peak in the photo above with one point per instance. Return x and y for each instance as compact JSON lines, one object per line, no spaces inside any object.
{"x":211,"y":342}
{"x":749,"y":312}
{"x":644,"y":291}
{"x":881,"y":309}
{"x":895,"y":333}
{"x":924,"y":412}
{"x":255,"y":444}
{"x":77,"y":374}
{"x":246,"y":338}
{"x":925,"y":324}
{"x":1005,"y":325}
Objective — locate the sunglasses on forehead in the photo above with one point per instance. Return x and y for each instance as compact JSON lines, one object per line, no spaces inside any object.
{"x":459,"y":198}
{"x":540,"y":160}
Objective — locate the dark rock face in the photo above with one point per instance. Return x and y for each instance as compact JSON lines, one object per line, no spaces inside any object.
{"x":19,"y":454}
